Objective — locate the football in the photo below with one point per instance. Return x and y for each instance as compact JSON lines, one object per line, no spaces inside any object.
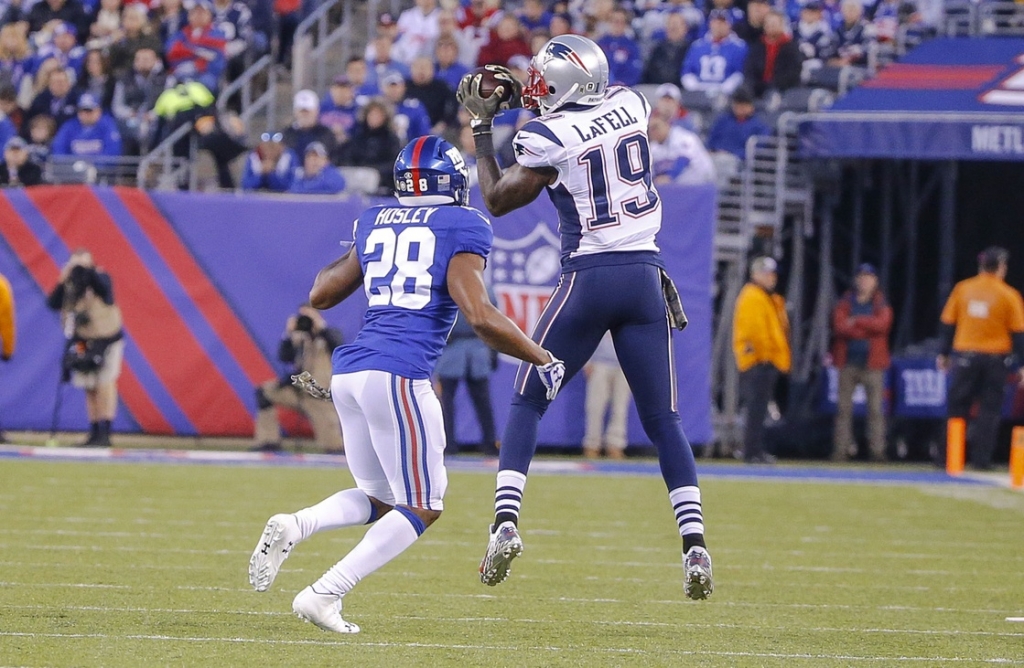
{"x":489,"y":82}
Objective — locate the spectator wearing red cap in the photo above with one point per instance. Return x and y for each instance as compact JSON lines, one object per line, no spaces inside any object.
{"x":197,"y":53}
{"x":506,"y":41}
{"x":861,"y":322}
{"x":774,"y":63}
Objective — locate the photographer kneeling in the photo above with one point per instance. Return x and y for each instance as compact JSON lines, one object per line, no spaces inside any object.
{"x":95,"y":346}
{"x":307,"y":345}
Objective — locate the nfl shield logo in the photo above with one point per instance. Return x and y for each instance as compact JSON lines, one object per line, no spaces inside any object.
{"x":524,"y":272}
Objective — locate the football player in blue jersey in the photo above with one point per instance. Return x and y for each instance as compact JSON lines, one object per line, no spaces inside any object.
{"x":419,"y":264}
{"x":589,"y":150}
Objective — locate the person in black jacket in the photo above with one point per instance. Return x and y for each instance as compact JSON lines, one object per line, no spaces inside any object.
{"x":58,"y":100}
{"x":47,"y":11}
{"x":666,"y":59}
{"x":436,"y":96}
{"x":374,"y":143}
{"x":16,"y":169}
{"x":774,"y":63}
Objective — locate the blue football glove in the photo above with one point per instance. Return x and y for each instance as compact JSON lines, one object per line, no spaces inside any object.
{"x":551,"y":374}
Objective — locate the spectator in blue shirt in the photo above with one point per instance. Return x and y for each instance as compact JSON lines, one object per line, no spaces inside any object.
{"x":625,"y":62}
{"x":7,"y":129}
{"x":735,"y":13}
{"x":339,"y":110}
{"x":384,"y":63}
{"x":317,"y":176}
{"x":715,"y":62}
{"x":92,"y":134}
{"x":411,"y":118}
{"x":63,"y":48}
{"x":731,"y":130}
{"x":271,"y":166}
{"x":446,"y":61}
{"x":533,"y":16}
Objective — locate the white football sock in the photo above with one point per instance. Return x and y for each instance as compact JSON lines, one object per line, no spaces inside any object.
{"x":344,"y":509}
{"x":686,"y":506}
{"x":389,"y":537}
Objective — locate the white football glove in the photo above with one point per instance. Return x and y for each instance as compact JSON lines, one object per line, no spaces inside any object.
{"x":551,"y":374}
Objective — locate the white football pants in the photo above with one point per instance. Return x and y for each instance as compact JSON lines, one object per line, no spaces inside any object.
{"x":394,"y":437}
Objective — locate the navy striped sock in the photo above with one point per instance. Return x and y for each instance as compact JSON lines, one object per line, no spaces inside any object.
{"x":508,"y":496}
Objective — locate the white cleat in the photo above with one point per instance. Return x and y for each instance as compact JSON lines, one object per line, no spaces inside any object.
{"x":697,"y":583}
{"x":324,"y":610}
{"x":503,"y":546}
{"x":279,"y":537}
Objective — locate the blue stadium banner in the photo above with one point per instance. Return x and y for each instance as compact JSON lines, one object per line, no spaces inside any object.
{"x":948,"y":99}
{"x":206,"y":283}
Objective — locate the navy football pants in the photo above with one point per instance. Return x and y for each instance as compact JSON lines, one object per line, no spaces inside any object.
{"x":627,"y":300}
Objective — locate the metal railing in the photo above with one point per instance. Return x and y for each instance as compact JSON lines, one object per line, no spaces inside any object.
{"x":259,"y":73}
{"x":91,"y":170}
{"x":164,"y":170}
{"x":313,"y":37}
{"x":973,"y":19}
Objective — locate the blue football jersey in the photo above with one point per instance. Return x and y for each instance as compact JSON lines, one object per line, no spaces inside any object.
{"x":404,"y":252}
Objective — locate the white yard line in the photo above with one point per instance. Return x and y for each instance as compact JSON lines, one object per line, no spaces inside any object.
{"x":546,"y":648}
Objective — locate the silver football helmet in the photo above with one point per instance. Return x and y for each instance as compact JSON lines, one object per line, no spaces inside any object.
{"x":569,"y":68}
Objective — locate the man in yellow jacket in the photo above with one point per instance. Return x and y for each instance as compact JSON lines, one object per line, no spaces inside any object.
{"x":6,"y":325}
{"x":760,"y":341}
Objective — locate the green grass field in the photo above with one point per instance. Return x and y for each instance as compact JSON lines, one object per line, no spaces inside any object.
{"x":145,"y":565}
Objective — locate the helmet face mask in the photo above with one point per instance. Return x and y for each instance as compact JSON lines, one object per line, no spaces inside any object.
{"x":568,"y":69}
{"x":430,"y":171}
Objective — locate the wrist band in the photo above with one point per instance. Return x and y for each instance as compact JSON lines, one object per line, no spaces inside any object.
{"x":484,"y":141}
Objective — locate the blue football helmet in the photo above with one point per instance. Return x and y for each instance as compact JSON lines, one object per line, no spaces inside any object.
{"x":431,"y":171}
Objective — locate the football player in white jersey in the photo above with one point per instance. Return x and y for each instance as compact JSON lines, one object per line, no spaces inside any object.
{"x":419,"y":264}
{"x":589,"y":150}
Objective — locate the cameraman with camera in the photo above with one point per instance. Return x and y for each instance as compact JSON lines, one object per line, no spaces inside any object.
{"x":95,"y":346}
{"x":307,"y":345}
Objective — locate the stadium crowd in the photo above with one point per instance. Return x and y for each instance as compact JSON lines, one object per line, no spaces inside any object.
{"x":85,"y":78}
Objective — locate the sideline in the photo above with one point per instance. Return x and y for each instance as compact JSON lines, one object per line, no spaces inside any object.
{"x":850,"y":474}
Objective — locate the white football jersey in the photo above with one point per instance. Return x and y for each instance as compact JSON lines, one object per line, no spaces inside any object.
{"x":604,"y":194}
